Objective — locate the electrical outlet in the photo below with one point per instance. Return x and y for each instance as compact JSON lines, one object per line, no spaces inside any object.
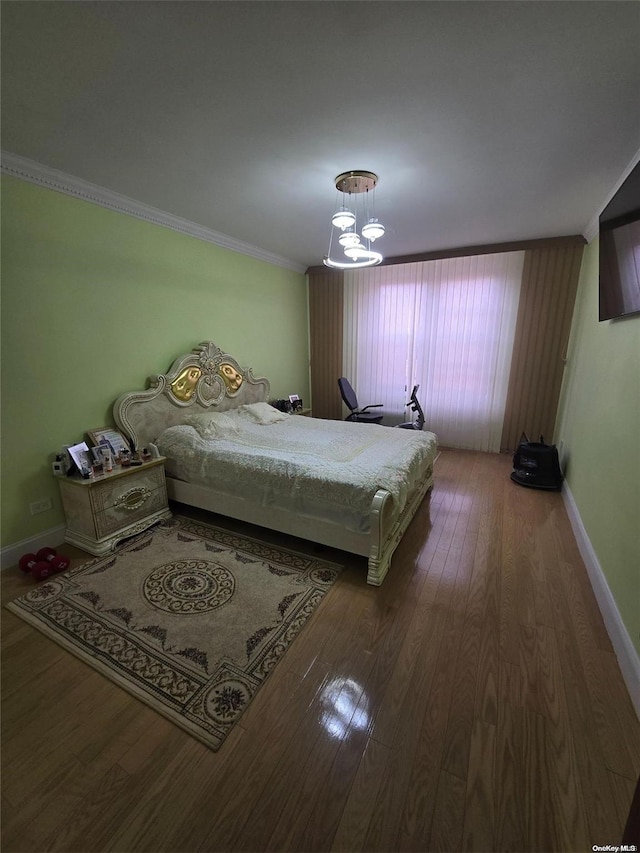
{"x":40,"y":506}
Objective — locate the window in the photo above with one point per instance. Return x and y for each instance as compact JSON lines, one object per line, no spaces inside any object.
{"x":447,"y":325}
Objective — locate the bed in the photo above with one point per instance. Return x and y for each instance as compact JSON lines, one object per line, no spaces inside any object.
{"x":351,"y":486}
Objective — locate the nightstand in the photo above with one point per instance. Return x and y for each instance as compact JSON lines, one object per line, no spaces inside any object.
{"x":106,"y":509}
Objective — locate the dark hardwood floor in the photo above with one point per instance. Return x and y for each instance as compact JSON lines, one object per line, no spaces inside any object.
{"x":473,"y":702}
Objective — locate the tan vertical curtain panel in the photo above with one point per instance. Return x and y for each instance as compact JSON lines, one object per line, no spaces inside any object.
{"x":549,"y":283}
{"x":325,"y":331}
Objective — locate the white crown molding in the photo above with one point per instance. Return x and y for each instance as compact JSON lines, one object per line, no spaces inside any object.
{"x":624,"y":649}
{"x":53,"y":179}
{"x":591,"y":229}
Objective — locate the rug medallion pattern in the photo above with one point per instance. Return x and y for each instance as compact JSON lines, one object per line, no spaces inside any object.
{"x":188,"y":617}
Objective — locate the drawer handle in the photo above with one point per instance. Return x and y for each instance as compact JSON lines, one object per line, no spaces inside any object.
{"x":133,"y":499}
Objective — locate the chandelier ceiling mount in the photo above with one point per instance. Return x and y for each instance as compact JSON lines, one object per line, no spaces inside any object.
{"x":356,"y":182}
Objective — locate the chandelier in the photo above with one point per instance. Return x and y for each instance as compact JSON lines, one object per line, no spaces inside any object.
{"x":354,"y":226}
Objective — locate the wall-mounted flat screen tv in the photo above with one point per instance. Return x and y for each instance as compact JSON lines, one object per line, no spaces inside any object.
{"x":620,"y":251}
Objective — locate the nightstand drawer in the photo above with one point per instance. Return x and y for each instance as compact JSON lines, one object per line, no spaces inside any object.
{"x":126,"y":492}
{"x":130,"y":505}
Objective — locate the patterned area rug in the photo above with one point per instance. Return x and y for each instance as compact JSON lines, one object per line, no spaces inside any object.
{"x":187,"y":617}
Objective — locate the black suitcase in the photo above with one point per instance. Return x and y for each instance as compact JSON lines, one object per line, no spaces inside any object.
{"x":536,"y":464}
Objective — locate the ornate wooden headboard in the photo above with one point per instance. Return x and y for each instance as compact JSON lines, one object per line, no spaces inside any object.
{"x":204,"y":378}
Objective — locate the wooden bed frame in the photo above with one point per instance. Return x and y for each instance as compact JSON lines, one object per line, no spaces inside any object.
{"x":207,"y":378}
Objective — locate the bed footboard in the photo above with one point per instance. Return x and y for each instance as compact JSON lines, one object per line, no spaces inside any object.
{"x":386,"y":532}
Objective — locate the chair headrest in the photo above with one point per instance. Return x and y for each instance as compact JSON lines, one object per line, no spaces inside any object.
{"x":347,"y":393}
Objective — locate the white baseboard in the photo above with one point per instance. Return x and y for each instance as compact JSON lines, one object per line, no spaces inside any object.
{"x":623,"y":647}
{"x":53,"y":537}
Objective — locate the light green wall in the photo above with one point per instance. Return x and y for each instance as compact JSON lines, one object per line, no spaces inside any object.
{"x":93,"y":302}
{"x":599,"y":427}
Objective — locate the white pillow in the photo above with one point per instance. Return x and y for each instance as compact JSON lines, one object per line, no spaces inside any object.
{"x":262,"y":413}
{"x":213,"y":424}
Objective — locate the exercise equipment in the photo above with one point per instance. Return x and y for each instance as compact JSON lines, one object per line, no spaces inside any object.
{"x":58,"y":561}
{"x":43,"y":564}
{"x":415,"y":407}
{"x":39,"y":569}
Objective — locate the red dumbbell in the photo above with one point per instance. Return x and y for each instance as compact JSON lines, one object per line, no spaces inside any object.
{"x":57,"y":562}
{"x":27,"y":561}
{"x":40,"y":569}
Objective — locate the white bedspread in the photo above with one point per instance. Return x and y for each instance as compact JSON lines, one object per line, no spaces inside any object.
{"x":327,"y":469}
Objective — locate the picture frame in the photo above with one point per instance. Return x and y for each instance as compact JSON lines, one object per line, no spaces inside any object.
{"x":109,"y":436}
{"x":96,"y":450}
{"x":81,"y":455}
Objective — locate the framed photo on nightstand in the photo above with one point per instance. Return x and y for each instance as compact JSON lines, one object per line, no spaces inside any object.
{"x":109,"y":436}
{"x":81,"y":455}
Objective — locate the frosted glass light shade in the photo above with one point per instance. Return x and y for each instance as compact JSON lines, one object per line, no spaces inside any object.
{"x":359,"y":253}
{"x":349,"y":238}
{"x":373,"y":230}
{"x":343,"y":218}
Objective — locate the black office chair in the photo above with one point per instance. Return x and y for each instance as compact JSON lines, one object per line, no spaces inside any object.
{"x":362,"y":416}
{"x":415,"y":407}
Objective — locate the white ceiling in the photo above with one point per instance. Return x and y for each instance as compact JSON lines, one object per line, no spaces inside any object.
{"x":486,"y":122}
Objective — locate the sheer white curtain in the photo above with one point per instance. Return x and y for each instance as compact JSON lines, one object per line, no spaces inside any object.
{"x":446,"y":325}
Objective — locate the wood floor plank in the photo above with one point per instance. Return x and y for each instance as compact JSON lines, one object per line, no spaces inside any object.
{"x":55,"y":793}
{"x":457,"y":738}
{"x":145,"y":828}
{"x":564,"y":782}
{"x":479,"y":813}
{"x":340,"y":700}
{"x":598,"y":797}
{"x":509,"y":787}
{"x":268,"y":741}
{"x":621,"y":701}
{"x":447,"y":823}
{"x":34,"y":754}
{"x":393,"y":683}
{"x":423,"y":782}
{"x":344,"y":718}
{"x":88,"y":826}
{"x":15,"y":834}
{"x":623,"y":791}
{"x":569,"y":612}
{"x":425,"y":777}
{"x":107,"y":790}
{"x":351,"y":832}
{"x":539,"y":816}
{"x":159,"y":796}
{"x":329,"y":801}
{"x":509,"y":625}
{"x":386,"y":824}
{"x":310,"y":744}
{"x":569,"y":555}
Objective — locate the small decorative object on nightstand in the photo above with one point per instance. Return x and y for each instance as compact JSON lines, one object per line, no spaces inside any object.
{"x":102,"y":511}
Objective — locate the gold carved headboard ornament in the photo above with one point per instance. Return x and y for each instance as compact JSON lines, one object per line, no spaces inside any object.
{"x":204,"y":378}
{"x":206,"y":373}
{"x":184,"y":386}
